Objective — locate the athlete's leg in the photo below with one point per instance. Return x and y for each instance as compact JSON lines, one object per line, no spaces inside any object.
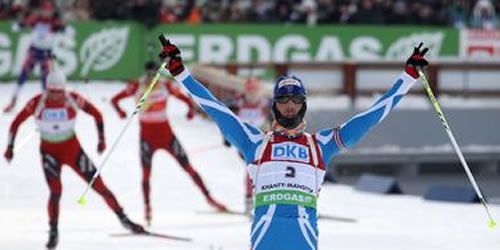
{"x":28,"y":65}
{"x":274,"y":228}
{"x":178,"y":152}
{"x":52,"y":172}
{"x":146,"y":162}
{"x":46,"y":65}
{"x":84,"y":167}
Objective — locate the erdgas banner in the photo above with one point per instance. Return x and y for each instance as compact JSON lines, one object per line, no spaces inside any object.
{"x":282,"y":43}
{"x":118,"y":50}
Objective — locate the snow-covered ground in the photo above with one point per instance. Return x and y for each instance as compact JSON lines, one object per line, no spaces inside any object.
{"x":383,"y":222}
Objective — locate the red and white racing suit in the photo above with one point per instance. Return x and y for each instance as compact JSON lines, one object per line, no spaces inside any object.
{"x":156,"y":133}
{"x":59,"y":145}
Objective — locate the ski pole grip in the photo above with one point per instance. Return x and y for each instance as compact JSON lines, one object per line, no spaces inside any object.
{"x":163,"y":40}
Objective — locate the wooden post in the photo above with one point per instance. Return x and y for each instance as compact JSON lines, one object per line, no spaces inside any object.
{"x":433,"y":78}
{"x":349,"y":76}
{"x":232,"y":68}
{"x":281,"y":69}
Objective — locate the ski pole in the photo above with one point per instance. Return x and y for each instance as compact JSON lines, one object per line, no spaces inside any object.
{"x":25,"y":140}
{"x":440,"y":114}
{"x":137,"y":109}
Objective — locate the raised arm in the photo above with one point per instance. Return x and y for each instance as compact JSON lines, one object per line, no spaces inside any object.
{"x":244,"y":136}
{"x":25,"y":113}
{"x":348,"y":134}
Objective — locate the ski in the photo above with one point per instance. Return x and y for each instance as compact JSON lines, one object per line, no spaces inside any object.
{"x":320,"y":217}
{"x":153,"y":234}
{"x":336,"y":218}
{"x":227,"y":212}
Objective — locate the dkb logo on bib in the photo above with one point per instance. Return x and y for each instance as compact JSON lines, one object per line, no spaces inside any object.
{"x":290,"y":151}
{"x":60,"y":114}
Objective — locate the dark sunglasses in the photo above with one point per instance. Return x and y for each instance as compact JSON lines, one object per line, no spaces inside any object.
{"x":56,"y":91}
{"x":297,"y":99}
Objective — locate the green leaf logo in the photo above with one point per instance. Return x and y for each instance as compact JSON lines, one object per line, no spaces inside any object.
{"x":102,"y":50}
{"x":403,"y":47}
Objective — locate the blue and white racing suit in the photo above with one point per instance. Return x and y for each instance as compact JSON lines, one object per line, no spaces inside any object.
{"x":287,"y":173}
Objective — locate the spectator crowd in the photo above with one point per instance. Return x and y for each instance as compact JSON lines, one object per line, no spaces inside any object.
{"x":484,"y":14}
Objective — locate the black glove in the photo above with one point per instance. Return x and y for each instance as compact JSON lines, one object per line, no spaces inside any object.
{"x":120,"y":112}
{"x":416,"y":60}
{"x":226,"y":143}
{"x":9,"y":153}
{"x":172,"y":55}
{"x":101,"y":146}
{"x":231,"y":104}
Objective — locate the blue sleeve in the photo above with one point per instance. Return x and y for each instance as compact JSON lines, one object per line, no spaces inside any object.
{"x":333,"y":140}
{"x":243,"y":136}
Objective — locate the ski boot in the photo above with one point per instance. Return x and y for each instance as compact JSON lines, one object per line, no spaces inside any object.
{"x":148,"y":216}
{"x":11,"y":105}
{"x":53,"y":239}
{"x":217,"y":205}
{"x":129,"y":225}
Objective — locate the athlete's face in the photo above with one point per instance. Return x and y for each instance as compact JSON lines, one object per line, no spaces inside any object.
{"x":289,"y":106}
{"x":46,"y":13}
{"x":56,"y":95}
{"x":150,"y":73}
{"x":252,"y":96}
